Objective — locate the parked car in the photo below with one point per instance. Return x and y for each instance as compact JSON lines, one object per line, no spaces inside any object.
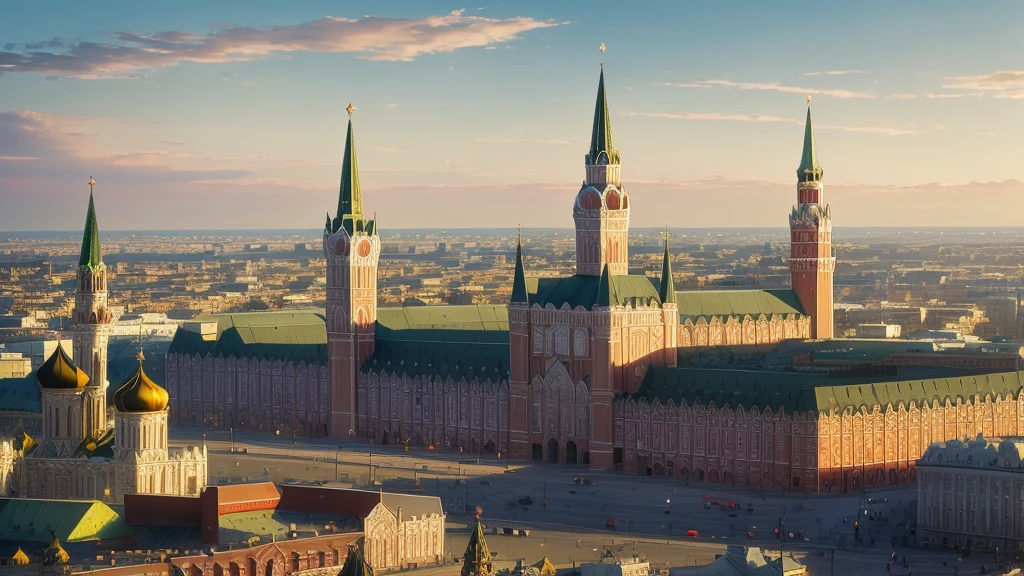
{"x":525,"y":501}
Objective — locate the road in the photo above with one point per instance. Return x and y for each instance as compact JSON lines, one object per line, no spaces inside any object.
{"x":649,"y":511}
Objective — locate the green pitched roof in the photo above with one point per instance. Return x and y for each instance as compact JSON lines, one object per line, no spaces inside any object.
{"x":297,"y":336}
{"x":442,"y":341}
{"x":579,"y":290}
{"x":809,"y":170}
{"x":482,"y":317}
{"x":602,"y":147}
{"x":68,"y":520}
{"x":667,"y":289}
{"x":804,"y":392}
{"x":520,"y":295}
{"x":90,"y":257}
{"x":725,"y":303}
{"x":442,"y":353}
{"x":20,"y":394}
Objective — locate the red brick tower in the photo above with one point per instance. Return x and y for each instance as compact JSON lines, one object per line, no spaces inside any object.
{"x":519,"y":350}
{"x":811,"y":263}
{"x":601,"y":210}
{"x":352,"y":247}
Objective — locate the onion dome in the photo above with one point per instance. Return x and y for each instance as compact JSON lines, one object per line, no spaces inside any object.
{"x":140,"y":394}
{"x":60,"y":372}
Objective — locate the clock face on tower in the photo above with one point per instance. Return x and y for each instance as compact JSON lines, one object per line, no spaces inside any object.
{"x":364,"y":248}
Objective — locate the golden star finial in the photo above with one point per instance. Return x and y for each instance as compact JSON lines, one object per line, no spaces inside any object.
{"x":350,"y":109}
{"x":808,"y":98}
{"x":91,"y":183}
{"x":602,"y":47}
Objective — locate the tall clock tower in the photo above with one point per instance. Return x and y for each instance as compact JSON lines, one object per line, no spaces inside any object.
{"x":92,"y":324}
{"x":352,"y":248}
{"x":811,"y":263}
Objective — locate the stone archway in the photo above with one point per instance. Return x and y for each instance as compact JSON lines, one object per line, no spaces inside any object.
{"x":233,"y":569}
{"x":384,"y":438}
{"x":490,"y":447}
{"x":251,"y":569}
{"x":218,"y":570}
{"x":684,"y":473}
{"x":571,"y":455}
{"x":553,"y":451}
{"x":269,"y":571}
{"x":538,"y":452}
{"x":713,"y":476}
{"x":659,"y":470}
{"x":700,"y":475}
{"x":727,"y":477}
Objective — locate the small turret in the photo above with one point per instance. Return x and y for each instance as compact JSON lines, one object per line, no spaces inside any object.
{"x":667,"y":290}
{"x":604,"y":288}
{"x":520,"y":295}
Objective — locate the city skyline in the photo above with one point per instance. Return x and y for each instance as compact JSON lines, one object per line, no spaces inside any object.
{"x":475,"y":116}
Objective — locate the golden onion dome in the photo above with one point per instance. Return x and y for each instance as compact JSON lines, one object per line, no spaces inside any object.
{"x":60,"y":373}
{"x":20,"y":558}
{"x":140,"y":394}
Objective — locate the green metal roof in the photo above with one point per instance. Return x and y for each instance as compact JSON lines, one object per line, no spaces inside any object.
{"x":68,"y":520}
{"x":20,"y":394}
{"x":90,"y":257}
{"x":297,"y":336}
{"x":854,"y":349}
{"x":443,"y":353}
{"x":809,"y":170}
{"x":602,"y":146}
{"x":816,"y":392}
{"x":584,"y":291}
{"x":442,"y":341}
{"x":482,"y":317}
{"x":725,"y":303}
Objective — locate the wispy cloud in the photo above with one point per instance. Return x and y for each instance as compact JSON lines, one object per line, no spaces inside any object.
{"x":944,"y":96}
{"x":17,"y":158}
{"x":388,"y":105}
{"x":386,"y":149}
{"x":171,"y":142}
{"x":769,"y":119}
{"x":902,"y":96}
{"x":771,"y":86}
{"x":501,"y":140}
{"x":371,"y":37}
{"x":1001,"y":84}
{"x":835,"y":72}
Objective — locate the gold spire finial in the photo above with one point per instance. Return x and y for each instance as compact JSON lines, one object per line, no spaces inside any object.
{"x":350,"y":109}
{"x":520,"y":227}
{"x":141,"y":355}
{"x":91,"y":184}
{"x":808,"y":98}
{"x":602,"y":47}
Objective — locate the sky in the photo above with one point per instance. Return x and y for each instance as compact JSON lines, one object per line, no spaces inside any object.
{"x":231,"y":115}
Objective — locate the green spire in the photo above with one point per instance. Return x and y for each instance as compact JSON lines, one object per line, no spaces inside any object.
{"x":328,"y":225}
{"x":350,"y":196}
{"x":604,"y":288}
{"x":809,"y":170}
{"x":667,"y":291}
{"x":477,"y":560}
{"x":519,"y":293}
{"x":91,"y":257}
{"x":602,"y":148}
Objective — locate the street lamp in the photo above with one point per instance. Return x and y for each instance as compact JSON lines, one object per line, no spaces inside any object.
{"x":336,"y":450}
{"x":669,"y":502}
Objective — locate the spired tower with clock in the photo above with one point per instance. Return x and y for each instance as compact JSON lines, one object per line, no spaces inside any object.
{"x":811,"y":263}
{"x":352,"y":247}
